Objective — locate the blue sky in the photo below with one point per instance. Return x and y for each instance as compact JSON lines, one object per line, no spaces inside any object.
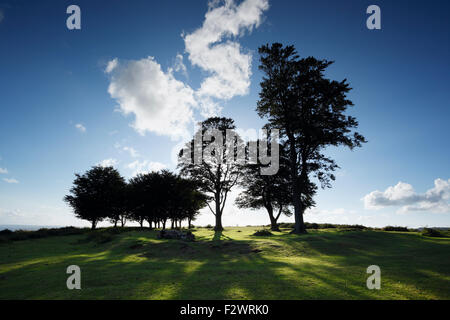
{"x":128,"y":86}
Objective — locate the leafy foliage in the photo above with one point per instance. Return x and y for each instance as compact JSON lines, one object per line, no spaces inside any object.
{"x":97,"y":194}
{"x":309,"y":110}
{"x":217,"y":171}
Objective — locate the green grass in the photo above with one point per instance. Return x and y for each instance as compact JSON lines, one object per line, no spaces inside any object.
{"x":324,"y":264}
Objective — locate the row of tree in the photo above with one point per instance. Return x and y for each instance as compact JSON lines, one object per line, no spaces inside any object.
{"x":103,"y":194}
{"x":297,"y":99}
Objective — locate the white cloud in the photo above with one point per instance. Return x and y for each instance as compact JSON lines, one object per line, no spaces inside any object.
{"x":337,"y":211}
{"x":108,"y":163}
{"x":3,"y":171}
{"x":179,"y":65}
{"x":229,"y":67}
{"x":164,"y":105}
{"x":111,"y":65}
{"x":80,"y":127}
{"x":132,"y":151}
{"x":145,"y":167}
{"x":403,"y":195}
{"x":159,"y":102}
{"x":6,"y":214}
{"x":12,"y":180}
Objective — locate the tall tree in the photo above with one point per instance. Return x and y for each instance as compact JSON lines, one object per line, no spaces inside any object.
{"x":272,"y":192}
{"x":97,"y":194}
{"x":217,"y":171}
{"x":309,"y":110}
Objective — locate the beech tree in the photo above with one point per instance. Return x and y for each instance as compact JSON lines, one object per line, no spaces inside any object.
{"x":310,"y":112}
{"x":217,"y":171}
{"x":97,"y":195}
{"x":272,"y":192}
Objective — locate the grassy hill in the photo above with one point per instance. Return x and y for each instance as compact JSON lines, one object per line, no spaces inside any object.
{"x":325,"y":264}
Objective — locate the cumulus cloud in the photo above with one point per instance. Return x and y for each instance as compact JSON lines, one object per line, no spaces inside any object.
{"x":164,"y":105}
{"x":3,"y":171}
{"x":403,"y":195}
{"x":108,"y":163}
{"x":145,"y":166}
{"x":12,"y":180}
{"x":80,"y":127}
{"x":159,"y":102}
{"x":214,"y":49}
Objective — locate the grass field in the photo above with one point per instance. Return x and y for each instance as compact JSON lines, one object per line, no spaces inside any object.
{"x":325,"y":264}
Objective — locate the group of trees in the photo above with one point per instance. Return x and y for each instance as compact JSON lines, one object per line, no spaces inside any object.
{"x":103,"y":194}
{"x":297,"y":99}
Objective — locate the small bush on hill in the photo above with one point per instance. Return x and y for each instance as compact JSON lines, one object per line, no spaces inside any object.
{"x":399,"y":229}
{"x":429,"y":232}
{"x":286,"y":225}
{"x":263,"y":232}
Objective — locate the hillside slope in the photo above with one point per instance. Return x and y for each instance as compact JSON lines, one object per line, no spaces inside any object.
{"x":325,"y":264}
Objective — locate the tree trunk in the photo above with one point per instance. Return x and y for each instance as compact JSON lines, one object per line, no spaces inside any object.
{"x":189,"y":223}
{"x":296,"y":194}
{"x":94,"y":223}
{"x":115,"y":223}
{"x":218,"y":226}
{"x":164,"y":224}
{"x":273,"y":220}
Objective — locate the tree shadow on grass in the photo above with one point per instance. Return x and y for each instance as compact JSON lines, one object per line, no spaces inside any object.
{"x":323,"y":266}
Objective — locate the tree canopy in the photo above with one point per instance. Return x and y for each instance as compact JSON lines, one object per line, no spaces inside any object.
{"x":310,"y":112}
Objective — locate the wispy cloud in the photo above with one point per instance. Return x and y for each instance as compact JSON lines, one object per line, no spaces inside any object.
{"x":145,"y":167}
{"x":80,"y":127}
{"x":108,"y":163}
{"x":10,"y":180}
{"x":131,"y":151}
{"x":3,"y":171}
{"x":404,"y":196}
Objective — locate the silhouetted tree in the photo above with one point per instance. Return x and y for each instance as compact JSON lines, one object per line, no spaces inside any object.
{"x":97,"y":194}
{"x":309,"y":110}
{"x":272,"y":192}
{"x":158,"y":196}
{"x":190,"y":200}
{"x":217,"y":172}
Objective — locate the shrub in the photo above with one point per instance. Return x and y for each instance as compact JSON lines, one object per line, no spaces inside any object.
{"x":399,"y":229}
{"x":286,"y":225}
{"x":263,"y":232}
{"x":327,"y":226}
{"x":209,"y":226}
{"x":352,"y":227}
{"x":429,"y":232}
{"x":5,"y":232}
{"x":311,"y":225}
